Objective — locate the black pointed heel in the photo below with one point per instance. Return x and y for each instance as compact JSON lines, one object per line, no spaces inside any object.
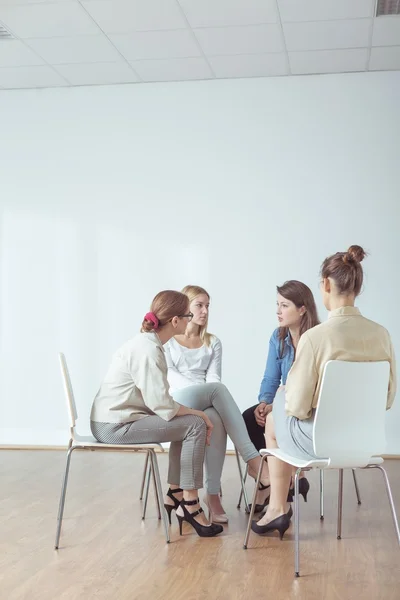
{"x":260,"y":507}
{"x":304,"y":487}
{"x":169,"y":507}
{"x":201,"y":530}
{"x":280,"y":524}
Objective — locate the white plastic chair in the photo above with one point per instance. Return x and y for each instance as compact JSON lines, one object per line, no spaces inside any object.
{"x":349,"y":432}
{"x":81,"y":442}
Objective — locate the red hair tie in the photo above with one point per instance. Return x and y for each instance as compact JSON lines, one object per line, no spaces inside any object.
{"x":150,"y":316}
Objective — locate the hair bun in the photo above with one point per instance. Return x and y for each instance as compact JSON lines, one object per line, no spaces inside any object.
{"x":354,"y":254}
{"x":147,"y":325}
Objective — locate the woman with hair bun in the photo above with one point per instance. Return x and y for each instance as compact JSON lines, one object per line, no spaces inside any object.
{"x":346,"y":335}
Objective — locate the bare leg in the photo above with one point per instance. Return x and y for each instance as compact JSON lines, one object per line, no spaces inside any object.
{"x":280,"y":474}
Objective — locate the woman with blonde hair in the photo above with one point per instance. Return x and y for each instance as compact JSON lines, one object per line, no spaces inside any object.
{"x":194,"y":373}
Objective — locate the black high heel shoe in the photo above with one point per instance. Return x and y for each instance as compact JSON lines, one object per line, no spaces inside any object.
{"x":280,"y":524}
{"x":169,"y":507}
{"x":304,"y":487}
{"x":260,"y":507}
{"x":201,"y":530}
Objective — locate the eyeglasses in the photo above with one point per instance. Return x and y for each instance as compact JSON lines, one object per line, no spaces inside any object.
{"x":188,"y":316}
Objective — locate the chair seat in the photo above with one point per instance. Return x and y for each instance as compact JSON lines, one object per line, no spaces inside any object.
{"x":318,"y":463}
{"x":88,"y":441}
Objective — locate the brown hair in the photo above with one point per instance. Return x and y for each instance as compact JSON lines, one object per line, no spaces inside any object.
{"x":301,"y":295}
{"x":345,"y":270}
{"x":165,"y":306}
{"x":192,"y":291}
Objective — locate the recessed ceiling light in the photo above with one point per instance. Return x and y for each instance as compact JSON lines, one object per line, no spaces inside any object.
{"x":4,"y":33}
{"x":387,"y":7}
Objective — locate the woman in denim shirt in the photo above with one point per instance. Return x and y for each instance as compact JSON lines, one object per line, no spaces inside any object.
{"x":297,"y":313}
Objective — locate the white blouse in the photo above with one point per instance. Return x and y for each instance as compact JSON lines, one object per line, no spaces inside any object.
{"x":191,"y":366}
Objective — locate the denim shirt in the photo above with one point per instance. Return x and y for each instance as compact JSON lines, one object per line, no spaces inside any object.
{"x":277,"y":367}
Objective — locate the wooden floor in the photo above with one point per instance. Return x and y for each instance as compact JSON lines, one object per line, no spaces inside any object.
{"x":107,"y":551}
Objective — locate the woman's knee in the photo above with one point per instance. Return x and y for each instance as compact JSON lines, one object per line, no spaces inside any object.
{"x":248,"y":415}
{"x":197,"y":425}
{"x":270,"y":426}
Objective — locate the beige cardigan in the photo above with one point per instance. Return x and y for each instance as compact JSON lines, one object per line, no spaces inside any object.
{"x":346,"y":335}
{"x":136,"y":384}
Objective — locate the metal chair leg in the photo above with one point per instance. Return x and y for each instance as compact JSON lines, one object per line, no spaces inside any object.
{"x":340,"y":505}
{"x":253,"y":504}
{"x":239,"y":504}
{"x":158,"y":489}
{"x":156,"y":495}
{"x":356,"y":486}
{"x":321,"y":494}
{"x":62,"y":497}
{"x":242,"y":483}
{"x":146,"y":495}
{"x":296,"y":524}
{"x":391,"y":502}
{"x":146,"y":462}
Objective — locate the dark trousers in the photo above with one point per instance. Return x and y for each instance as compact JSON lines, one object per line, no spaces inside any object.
{"x":255,"y":431}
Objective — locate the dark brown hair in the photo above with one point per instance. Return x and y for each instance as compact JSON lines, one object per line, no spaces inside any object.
{"x":165,"y":306}
{"x":345,"y":270}
{"x":301,"y":295}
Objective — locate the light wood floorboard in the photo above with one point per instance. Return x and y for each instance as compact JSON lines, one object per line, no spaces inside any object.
{"x":107,"y":552}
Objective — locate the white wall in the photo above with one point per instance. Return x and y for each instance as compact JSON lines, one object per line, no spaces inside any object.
{"x":110,"y":194}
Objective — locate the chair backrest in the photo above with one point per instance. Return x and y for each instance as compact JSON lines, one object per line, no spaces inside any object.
{"x":69,"y":394}
{"x":349,"y":425}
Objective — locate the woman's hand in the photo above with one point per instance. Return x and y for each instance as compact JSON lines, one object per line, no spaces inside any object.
{"x":261,"y":412}
{"x":209,"y":426}
{"x":183,"y":410}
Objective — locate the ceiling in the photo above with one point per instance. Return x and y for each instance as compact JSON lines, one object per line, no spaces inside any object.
{"x":89,"y":42}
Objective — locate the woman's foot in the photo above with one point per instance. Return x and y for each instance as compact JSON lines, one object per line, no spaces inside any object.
{"x":304,"y":487}
{"x":275,"y":520}
{"x":217,"y":513}
{"x":177,"y":496}
{"x":273,"y":513}
{"x":191,"y":512}
{"x":263,"y":493}
{"x":192,"y":508}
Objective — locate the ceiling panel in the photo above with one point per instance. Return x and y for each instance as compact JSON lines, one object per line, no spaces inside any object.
{"x":325,"y":10}
{"x":255,"y":39}
{"x":128,"y":41}
{"x":177,"y":69}
{"x":19,"y":2}
{"x":99,"y":73}
{"x":327,"y":35}
{"x":30,"y":77}
{"x":386,"y":31}
{"x":383,"y":59}
{"x":249,"y":65}
{"x":157,"y":44}
{"x":14,"y":53}
{"x":48,"y":20}
{"x":125,"y":16}
{"x":225,"y":13}
{"x":80,"y":49}
{"x":328,"y":61}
